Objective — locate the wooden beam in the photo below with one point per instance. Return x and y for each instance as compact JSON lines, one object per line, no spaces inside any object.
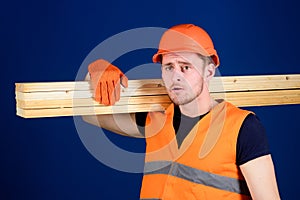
{"x":261,"y":98}
{"x":75,"y":111}
{"x":254,"y":83}
{"x":217,"y":84}
{"x":73,"y":102}
{"x":50,"y":99}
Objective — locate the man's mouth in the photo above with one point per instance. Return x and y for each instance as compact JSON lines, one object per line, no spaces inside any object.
{"x":176,"y":88}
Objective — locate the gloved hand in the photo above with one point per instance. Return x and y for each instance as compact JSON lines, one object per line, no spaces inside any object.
{"x":105,"y":80}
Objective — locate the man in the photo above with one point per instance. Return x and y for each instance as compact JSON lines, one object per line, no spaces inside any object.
{"x":198,"y":148}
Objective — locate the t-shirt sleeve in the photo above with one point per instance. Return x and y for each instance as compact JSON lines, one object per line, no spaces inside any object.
{"x":252,"y":140}
{"x":140,"y":118}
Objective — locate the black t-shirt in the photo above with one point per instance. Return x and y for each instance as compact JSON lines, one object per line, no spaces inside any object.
{"x":251,"y":143}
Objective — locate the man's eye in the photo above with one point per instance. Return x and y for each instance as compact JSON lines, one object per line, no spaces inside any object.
{"x":168,"y":68}
{"x":186,"y":67}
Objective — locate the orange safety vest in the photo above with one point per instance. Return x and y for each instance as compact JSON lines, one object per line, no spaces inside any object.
{"x":204,"y":167}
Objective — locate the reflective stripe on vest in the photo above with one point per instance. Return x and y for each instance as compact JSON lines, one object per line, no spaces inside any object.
{"x":197,"y":176}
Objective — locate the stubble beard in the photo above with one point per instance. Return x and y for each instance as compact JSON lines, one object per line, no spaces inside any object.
{"x":185,"y":98}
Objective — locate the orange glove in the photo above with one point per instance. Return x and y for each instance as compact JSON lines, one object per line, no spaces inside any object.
{"x":105,"y":80}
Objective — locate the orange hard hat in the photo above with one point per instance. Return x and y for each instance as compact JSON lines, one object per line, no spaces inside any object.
{"x":186,"y":38}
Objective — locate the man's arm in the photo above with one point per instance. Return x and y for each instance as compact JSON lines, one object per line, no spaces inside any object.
{"x":123,"y":124}
{"x":260,"y":177}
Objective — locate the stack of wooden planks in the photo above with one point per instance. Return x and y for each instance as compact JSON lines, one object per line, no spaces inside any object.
{"x":53,"y":99}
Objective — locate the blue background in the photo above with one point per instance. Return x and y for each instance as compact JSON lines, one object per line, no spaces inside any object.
{"x":48,"y":41}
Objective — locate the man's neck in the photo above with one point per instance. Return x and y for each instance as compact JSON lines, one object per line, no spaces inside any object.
{"x":199,"y":106}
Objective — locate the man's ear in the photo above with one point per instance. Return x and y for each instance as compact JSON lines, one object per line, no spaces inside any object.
{"x":209,"y":72}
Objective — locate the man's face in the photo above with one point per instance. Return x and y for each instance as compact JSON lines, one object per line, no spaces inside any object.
{"x":182,"y":74}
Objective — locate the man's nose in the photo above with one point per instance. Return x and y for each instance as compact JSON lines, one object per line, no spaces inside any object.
{"x":177,"y":75}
